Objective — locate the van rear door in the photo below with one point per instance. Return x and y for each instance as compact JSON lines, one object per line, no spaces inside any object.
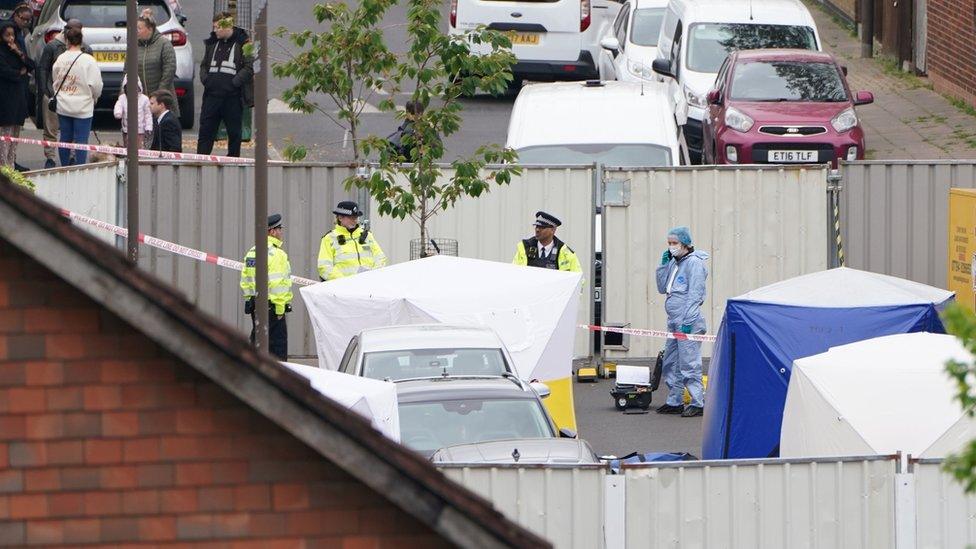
{"x":540,"y":30}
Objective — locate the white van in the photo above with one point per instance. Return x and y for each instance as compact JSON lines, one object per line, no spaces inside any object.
{"x":630,"y":43}
{"x":552,"y":39}
{"x":697,"y":36}
{"x":620,"y":124}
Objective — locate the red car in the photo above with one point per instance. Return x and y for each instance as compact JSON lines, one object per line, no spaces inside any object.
{"x":780,"y":107}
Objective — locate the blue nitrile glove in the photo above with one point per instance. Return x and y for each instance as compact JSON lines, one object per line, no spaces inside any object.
{"x":686,"y":328}
{"x":665,"y":257}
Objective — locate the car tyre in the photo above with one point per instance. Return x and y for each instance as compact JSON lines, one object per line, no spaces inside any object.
{"x":620,"y":403}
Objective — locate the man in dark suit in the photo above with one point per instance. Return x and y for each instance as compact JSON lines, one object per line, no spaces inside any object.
{"x":167,"y":132}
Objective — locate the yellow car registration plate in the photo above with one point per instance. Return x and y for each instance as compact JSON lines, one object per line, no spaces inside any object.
{"x":110,"y":56}
{"x":524,"y":38}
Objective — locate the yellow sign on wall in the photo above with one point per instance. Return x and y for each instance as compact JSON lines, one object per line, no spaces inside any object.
{"x":962,"y":246}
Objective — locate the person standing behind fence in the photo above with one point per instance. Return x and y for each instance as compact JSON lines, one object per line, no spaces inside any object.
{"x":145,"y":130}
{"x":349,"y":248}
{"x":44,"y":76}
{"x":77,"y":85}
{"x":227,"y":75}
{"x":157,"y":58}
{"x":682,"y":276}
{"x":15,"y":67}
{"x":167,"y":132}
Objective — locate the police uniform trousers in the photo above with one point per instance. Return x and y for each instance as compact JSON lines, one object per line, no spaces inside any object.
{"x":277,"y":334}
{"x":230,"y":110}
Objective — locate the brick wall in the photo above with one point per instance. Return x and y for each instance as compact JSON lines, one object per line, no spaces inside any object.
{"x":104,"y":438}
{"x":951,"y":47}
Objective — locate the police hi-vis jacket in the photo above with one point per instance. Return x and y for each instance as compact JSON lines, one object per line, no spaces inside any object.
{"x":562,"y":258}
{"x":279,"y":276}
{"x":343,"y":253}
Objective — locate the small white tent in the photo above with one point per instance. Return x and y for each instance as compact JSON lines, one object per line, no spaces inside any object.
{"x":532,"y":310}
{"x":877,"y":397}
{"x":373,"y":399}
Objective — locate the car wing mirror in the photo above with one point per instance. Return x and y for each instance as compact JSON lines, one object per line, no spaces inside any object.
{"x":662,"y":67}
{"x":610,"y":43}
{"x":567,"y":433}
{"x":863,"y":98}
{"x":714,"y":97}
{"x":541,"y":389}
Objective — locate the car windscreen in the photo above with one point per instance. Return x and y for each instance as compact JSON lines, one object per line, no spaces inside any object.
{"x":110,"y":13}
{"x":710,"y":43}
{"x":414,"y":363}
{"x":787,"y":81}
{"x":610,"y":154}
{"x":646,"y":26}
{"x":429,"y":426}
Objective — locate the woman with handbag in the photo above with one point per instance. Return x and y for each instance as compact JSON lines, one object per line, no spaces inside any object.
{"x":15,"y":67}
{"x":77,"y":85}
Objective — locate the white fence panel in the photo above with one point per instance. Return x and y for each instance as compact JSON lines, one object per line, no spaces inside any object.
{"x":945,"y":516}
{"x":90,"y":190}
{"x":564,"y":505}
{"x":762,"y":503}
{"x":490,"y":226}
{"x":759,"y":226}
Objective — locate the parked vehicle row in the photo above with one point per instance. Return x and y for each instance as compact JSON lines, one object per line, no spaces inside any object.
{"x":460,"y":396}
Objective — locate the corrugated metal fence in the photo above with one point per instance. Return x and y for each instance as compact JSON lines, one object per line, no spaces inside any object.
{"x":208,"y":208}
{"x":490,"y":226}
{"x":944,"y":514}
{"x":90,"y":189}
{"x":895,"y":216}
{"x":759,"y":226}
{"x":827,"y":502}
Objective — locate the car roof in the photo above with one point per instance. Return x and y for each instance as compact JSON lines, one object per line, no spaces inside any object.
{"x":760,"y":12}
{"x":460,"y":388}
{"x":428,"y":336}
{"x":565,"y":113}
{"x":784,"y":55}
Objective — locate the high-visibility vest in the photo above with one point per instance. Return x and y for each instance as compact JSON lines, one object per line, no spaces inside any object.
{"x":527,"y":253}
{"x":279,"y":276}
{"x":343,"y":253}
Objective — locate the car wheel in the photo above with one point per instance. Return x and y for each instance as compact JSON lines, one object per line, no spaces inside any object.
{"x":620,"y":403}
{"x":187,"y":109}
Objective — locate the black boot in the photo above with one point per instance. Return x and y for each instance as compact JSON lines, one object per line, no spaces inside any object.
{"x":692,"y":411}
{"x":666,"y":409}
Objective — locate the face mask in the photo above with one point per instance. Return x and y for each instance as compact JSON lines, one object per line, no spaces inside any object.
{"x":675,"y":250}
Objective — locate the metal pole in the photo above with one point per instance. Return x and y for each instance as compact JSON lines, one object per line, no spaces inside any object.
{"x":261,"y":179}
{"x":867,"y":29}
{"x":132,"y":122}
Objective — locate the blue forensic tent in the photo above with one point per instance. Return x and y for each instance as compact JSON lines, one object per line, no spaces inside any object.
{"x":765,"y":330}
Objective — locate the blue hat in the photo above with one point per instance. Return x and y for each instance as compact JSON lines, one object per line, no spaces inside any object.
{"x":683,"y":234}
{"x":542,"y":219}
{"x":274,"y":221}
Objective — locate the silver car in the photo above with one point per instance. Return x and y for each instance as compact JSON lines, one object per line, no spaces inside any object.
{"x":441,"y":412}
{"x":104,"y":24}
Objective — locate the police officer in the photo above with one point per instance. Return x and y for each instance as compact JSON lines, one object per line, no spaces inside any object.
{"x":544,"y":249}
{"x":348,"y":249}
{"x":279,"y":288}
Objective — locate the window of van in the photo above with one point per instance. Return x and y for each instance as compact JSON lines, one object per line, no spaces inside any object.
{"x":710,"y":43}
{"x":609,"y":154}
{"x":647,"y":26}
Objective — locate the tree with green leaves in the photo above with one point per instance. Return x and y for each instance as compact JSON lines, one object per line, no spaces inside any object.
{"x":961,"y":322}
{"x":437,"y":70}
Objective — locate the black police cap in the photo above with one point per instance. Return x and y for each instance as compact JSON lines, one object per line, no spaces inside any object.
{"x":347,"y":207}
{"x":274,"y":221}
{"x":543,"y":219}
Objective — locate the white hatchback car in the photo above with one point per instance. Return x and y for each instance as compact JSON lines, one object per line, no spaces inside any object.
{"x":424,"y":351}
{"x":630,"y":44}
{"x":620,"y":124}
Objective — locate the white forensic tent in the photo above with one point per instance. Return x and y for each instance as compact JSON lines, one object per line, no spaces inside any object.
{"x":373,"y":399}
{"x":877,"y":397}
{"x":532,"y":310}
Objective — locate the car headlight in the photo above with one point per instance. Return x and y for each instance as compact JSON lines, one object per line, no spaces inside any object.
{"x":640,"y":70}
{"x":737,"y":120}
{"x":844,"y":121}
{"x":695,"y":100}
